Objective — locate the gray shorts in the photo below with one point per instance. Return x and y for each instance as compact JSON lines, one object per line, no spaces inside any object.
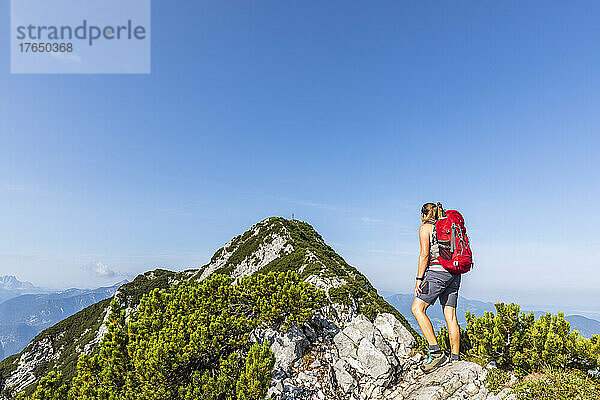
{"x":440,"y":284}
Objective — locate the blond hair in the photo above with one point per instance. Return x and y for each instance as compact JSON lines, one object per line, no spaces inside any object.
{"x":432,"y":211}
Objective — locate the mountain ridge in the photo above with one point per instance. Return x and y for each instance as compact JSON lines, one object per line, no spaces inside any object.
{"x":11,"y":287}
{"x":274,"y":244}
{"x":24,"y":316}
{"x":10,"y":282}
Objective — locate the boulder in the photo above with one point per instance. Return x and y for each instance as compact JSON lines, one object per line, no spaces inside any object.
{"x":399,"y":338}
{"x":287,"y":347}
{"x":364,"y":348}
{"x":364,"y":360}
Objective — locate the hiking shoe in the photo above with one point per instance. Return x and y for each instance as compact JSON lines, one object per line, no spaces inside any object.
{"x":434,"y":362}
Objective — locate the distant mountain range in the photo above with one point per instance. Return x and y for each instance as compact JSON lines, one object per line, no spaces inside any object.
{"x":23,"y":316}
{"x":355,"y":335}
{"x":402,"y":302}
{"x":11,"y":287}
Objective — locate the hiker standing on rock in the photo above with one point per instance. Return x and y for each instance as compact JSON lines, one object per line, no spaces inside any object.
{"x":445,"y":255}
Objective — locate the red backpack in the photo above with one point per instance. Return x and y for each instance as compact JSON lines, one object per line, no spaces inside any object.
{"x":455,"y":251}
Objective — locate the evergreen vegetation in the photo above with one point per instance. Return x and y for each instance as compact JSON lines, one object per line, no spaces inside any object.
{"x":545,"y":348}
{"x":518,"y":342}
{"x":317,"y":258}
{"x":496,"y":380}
{"x":557,"y":384}
{"x":190,"y":342}
{"x":549,"y":383}
{"x":71,"y":335}
{"x":310,"y":256}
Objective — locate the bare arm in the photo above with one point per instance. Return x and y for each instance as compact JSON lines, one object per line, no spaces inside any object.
{"x":423,"y":255}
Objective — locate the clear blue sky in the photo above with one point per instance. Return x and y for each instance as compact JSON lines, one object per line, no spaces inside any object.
{"x":347,"y":113}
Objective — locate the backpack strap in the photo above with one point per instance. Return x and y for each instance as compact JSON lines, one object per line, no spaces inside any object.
{"x":433,"y":247}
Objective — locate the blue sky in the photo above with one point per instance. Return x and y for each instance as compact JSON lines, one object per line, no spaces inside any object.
{"x":348,"y":114}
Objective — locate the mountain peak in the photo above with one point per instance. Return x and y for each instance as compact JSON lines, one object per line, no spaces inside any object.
{"x":10,"y":282}
{"x":275,"y":243}
{"x":280,"y":244}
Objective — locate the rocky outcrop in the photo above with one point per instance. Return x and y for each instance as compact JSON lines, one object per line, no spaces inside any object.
{"x":40,"y":352}
{"x":269,"y":246}
{"x":363,"y":360}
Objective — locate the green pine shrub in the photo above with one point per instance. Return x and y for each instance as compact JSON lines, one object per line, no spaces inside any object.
{"x":50,"y":387}
{"x":556,"y":384}
{"x":517,"y":341}
{"x":254,"y":379}
{"x":550,"y":361}
{"x":443,"y":339}
{"x":192,"y":341}
{"x":496,"y":380}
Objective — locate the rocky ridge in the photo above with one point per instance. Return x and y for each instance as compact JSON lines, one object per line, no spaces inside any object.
{"x":364,"y":360}
{"x":356,"y":347}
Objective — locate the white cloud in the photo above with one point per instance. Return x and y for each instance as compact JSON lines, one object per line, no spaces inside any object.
{"x":101,"y":270}
{"x":368,"y":220}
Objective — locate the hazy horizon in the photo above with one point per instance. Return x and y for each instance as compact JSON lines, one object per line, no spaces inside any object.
{"x":347,"y":115}
{"x":561,"y":299}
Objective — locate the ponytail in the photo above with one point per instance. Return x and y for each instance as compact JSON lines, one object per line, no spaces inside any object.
{"x":433,"y":211}
{"x":440,"y":211}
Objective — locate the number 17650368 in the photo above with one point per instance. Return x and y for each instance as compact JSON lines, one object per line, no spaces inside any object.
{"x":46,"y":47}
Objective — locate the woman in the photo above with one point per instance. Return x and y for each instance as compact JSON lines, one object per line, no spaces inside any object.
{"x":433,"y":282}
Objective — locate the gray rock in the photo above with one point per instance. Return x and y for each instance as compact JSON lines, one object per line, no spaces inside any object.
{"x":375,"y":362}
{"x":451,"y":379}
{"x":345,"y":345}
{"x":367,"y":351}
{"x":401,"y":340}
{"x":287,"y":347}
{"x":365,"y":361}
{"x":24,"y":375}
{"x":471,"y":389}
{"x":427,"y":393}
{"x":328,"y":328}
{"x":345,"y":381}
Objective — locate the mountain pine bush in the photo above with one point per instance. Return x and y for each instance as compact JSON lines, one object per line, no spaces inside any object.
{"x":551,"y":360}
{"x":50,"y":387}
{"x":558,"y":384}
{"x":254,"y":379}
{"x":443,"y":339}
{"x":191,"y":342}
{"x":518,"y":341}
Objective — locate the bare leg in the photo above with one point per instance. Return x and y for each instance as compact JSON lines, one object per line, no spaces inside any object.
{"x":418,"y":309}
{"x":453,"y":328}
